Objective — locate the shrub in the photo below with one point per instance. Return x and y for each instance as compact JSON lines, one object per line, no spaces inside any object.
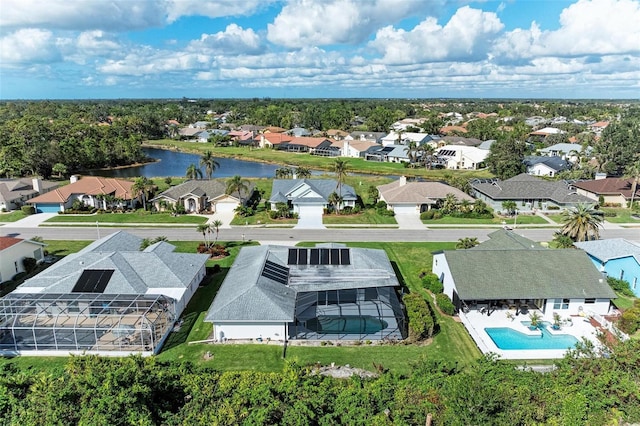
{"x":553,"y":208}
{"x":421,"y":322}
{"x":29,"y":264}
{"x":385,"y":212}
{"x":620,"y":286}
{"x":381,"y":205}
{"x":427,"y":215}
{"x":609,"y":214}
{"x":630,"y":320}
{"x":437,"y":215}
{"x":444,"y":303}
{"x":432,"y":283}
{"x":28,"y":210}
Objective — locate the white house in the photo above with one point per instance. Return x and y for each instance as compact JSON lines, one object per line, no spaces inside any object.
{"x":462,"y":157}
{"x":415,"y":197}
{"x":405,"y":138}
{"x":12,"y":253}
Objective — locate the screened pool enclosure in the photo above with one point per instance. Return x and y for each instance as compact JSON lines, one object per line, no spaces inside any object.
{"x":84,"y":322}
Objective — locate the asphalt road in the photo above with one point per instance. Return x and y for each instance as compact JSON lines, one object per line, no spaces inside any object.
{"x":289,"y":235}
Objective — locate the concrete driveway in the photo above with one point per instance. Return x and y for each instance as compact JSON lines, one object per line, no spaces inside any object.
{"x":224,"y":217}
{"x":409,"y":221}
{"x":310,"y":221}
{"x":32,"y":221}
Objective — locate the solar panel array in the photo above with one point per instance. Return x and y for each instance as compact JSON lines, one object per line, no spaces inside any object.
{"x":275,"y":272}
{"x":319,"y":256}
{"x":92,"y":281}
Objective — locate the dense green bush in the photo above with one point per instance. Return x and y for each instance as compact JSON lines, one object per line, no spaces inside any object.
{"x":432,"y":283}
{"x":385,"y":212}
{"x":421,"y":324}
{"x":630,"y":319}
{"x":28,"y":210}
{"x":609,"y":213}
{"x":381,"y":205}
{"x":427,"y":215}
{"x":444,"y":303}
{"x":29,"y":264}
{"x":620,"y":286}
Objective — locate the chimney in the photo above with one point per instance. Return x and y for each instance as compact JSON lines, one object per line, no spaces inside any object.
{"x":74,"y":178}
{"x":37,"y":184}
{"x":403,"y":181}
{"x":600,"y":176}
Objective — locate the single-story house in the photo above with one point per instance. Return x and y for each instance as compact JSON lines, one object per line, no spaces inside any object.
{"x":13,"y":251}
{"x":273,"y":140}
{"x":357,"y":148}
{"x":366,"y":136}
{"x":337,"y":134}
{"x":306,"y":144}
{"x":202,"y":195}
{"x":528,"y":192}
{"x":299,"y":132}
{"x":14,"y":193}
{"x":309,"y":197}
{"x":617,"y":257}
{"x":89,"y":190}
{"x":545,"y":166}
{"x":509,"y":270}
{"x":566,"y":151}
{"x":110,"y":298}
{"x":405,"y":138}
{"x":415,"y":197}
{"x":458,"y":140}
{"x":380,"y":153}
{"x":462,"y":157}
{"x":327,"y":292}
{"x":542,"y":134}
{"x":615,"y":191}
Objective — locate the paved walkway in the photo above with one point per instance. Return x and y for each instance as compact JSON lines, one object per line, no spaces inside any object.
{"x":409,"y":221}
{"x":32,"y":221}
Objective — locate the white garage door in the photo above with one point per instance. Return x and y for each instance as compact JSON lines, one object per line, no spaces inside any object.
{"x":225,"y":207}
{"x":310,"y":216}
{"x":405,"y":210}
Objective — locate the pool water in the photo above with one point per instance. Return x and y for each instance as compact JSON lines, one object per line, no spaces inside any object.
{"x":508,"y":338}
{"x":348,"y":324}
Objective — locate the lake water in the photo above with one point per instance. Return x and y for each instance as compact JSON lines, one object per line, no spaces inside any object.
{"x":175,"y":164}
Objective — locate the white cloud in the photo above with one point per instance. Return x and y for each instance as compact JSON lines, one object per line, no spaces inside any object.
{"x":313,"y":23}
{"x":588,"y":27}
{"x":234,"y":40}
{"x":28,"y":46}
{"x":96,"y":42}
{"x":466,"y":36}
{"x":150,"y":61}
{"x":213,"y":8}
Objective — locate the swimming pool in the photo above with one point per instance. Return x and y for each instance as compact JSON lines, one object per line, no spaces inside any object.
{"x":347,"y":324}
{"x":510,"y":339}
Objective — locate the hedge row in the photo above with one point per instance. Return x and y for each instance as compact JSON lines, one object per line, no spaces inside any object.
{"x":445,"y":304}
{"x":421,"y":324}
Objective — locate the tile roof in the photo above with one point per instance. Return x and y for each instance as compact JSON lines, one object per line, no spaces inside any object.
{"x":419,"y":192}
{"x":13,"y":189}
{"x":608,"y":186}
{"x":308,"y":141}
{"x":524,"y":186}
{"x":6,"y":242}
{"x":90,"y":185}
{"x":520,"y":273}
{"x":613,"y":248}
{"x":322,"y":187}
{"x":211,"y":188}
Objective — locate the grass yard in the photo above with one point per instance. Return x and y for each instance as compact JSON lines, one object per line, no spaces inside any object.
{"x":365,"y":217}
{"x":521,"y":220}
{"x":133,"y":217}
{"x":622,"y":216}
{"x":12,"y":216}
{"x":262,"y":218}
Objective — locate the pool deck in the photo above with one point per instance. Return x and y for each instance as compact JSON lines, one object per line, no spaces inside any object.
{"x":475,"y":323}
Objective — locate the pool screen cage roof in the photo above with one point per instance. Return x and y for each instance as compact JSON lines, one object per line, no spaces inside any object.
{"x":88,"y":322}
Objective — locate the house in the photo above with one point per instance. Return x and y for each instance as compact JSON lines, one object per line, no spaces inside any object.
{"x":89,"y":190}
{"x":328,"y":292}
{"x":366,"y":136}
{"x":14,"y":193}
{"x":598,"y":127}
{"x":452,"y":130}
{"x":547,"y":131}
{"x":462,"y":157}
{"x":618,"y":258}
{"x":614,"y":191}
{"x":545,"y":166}
{"x":13,"y":251}
{"x":405,"y":138}
{"x":510,"y":270}
{"x":357,"y":148}
{"x":273,"y":140}
{"x":337,"y":134}
{"x":406,"y":123}
{"x":307,"y":144}
{"x":566,"y":151}
{"x":202,"y":195}
{"x":299,"y":132}
{"x":380,"y":153}
{"x":273,"y":129}
{"x":309,"y":197}
{"x":200,"y":125}
{"x":458,"y":140}
{"x":110,"y":298}
{"x":416,"y":197}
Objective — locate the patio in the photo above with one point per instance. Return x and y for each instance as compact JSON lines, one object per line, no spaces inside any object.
{"x":476,"y":322}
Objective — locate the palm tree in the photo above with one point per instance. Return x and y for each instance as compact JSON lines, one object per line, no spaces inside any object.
{"x":216,"y":224}
{"x":204,"y":228}
{"x":238,"y":184}
{"x":284,"y":173}
{"x":340,"y":168}
{"x":633,"y":171}
{"x":193,"y":172}
{"x":303,"y":172}
{"x":209,"y":163}
{"x":142,"y":186}
{"x":562,"y":241}
{"x":467,"y":243}
{"x":335,"y":200}
{"x":412,"y":152}
{"x":582,"y":222}
{"x":449,"y":204}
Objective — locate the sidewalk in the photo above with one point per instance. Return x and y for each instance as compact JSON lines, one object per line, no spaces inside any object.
{"x":32,"y":221}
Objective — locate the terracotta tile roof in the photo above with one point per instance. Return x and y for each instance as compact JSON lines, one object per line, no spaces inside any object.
{"x":450,"y":129}
{"x":277,"y":138}
{"x":273,"y":129}
{"x":6,"y":242}
{"x":90,"y":185}
{"x":419,"y":192}
{"x":608,"y":186}
{"x":307,"y":141}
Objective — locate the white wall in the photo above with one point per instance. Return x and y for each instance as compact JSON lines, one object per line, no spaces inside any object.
{"x":11,"y":258}
{"x":600,"y":307}
{"x":440,"y":267}
{"x":250,"y":330}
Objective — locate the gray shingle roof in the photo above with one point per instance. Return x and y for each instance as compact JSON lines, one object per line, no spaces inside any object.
{"x":518,"y":273}
{"x":322,"y":187}
{"x":556,"y":163}
{"x":212,"y":188}
{"x":508,"y":240}
{"x":247,"y":295}
{"x":613,"y":248}
{"x":527,"y":187}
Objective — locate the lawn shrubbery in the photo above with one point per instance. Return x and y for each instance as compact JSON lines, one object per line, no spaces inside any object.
{"x":630,"y":319}
{"x":444,"y":303}
{"x":421,"y":324}
{"x":28,"y":210}
{"x":430,"y":214}
{"x":620,"y":286}
{"x":381,"y":209}
{"x":432,"y":283}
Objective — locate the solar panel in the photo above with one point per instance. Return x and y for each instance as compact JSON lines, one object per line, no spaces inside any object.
{"x":293,"y":257}
{"x":315,"y":257}
{"x":345,"y":256}
{"x":302,"y":256}
{"x":275,"y":272}
{"x":324,"y":256}
{"x":92,"y":281}
{"x":335,"y":256}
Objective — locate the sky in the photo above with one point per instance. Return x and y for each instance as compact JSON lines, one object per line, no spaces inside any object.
{"x":98,"y":49}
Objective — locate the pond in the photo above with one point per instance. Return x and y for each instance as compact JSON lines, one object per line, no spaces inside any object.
{"x":175,"y":164}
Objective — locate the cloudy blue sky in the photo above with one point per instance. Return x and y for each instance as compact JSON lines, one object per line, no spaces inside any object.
{"x":54,"y":49}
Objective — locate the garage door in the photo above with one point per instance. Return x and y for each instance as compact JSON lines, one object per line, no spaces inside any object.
{"x":226,"y":207}
{"x":405,"y":210}
{"x":47,"y":208}
{"x":310,"y":216}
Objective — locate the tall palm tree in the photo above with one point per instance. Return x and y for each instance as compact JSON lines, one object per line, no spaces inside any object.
{"x":193,"y":172}
{"x":449,"y":204}
{"x":633,"y":171}
{"x":335,"y":200}
{"x":209,"y":163}
{"x":238,"y":184}
{"x":340,"y":168}
{"x":215,"y":225}
{"x":303,"y":172}
{"x":582,"y":222}
{"x":412,"y":151}
{"x":204,"y":229}
{"x":284,"y":173}
{"x":467,"y":243}
{"x":142,"y":186}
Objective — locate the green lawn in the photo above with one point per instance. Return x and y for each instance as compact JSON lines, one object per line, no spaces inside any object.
{"x":622,"y":216}
{"x":365,"y":217}
{"x":262,"y":218}
{"x":520,"y":220}
{"x":623,"y":302}
{"x":65,"y":247}
{"x":12,"y":216}
{"x":133,"y":217}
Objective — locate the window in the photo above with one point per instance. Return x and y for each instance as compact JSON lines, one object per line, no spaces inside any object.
{"x":622,"y":274}
{"x":560,"y":303}
{"x":635,"y":282}
{"x":586,"y":301}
